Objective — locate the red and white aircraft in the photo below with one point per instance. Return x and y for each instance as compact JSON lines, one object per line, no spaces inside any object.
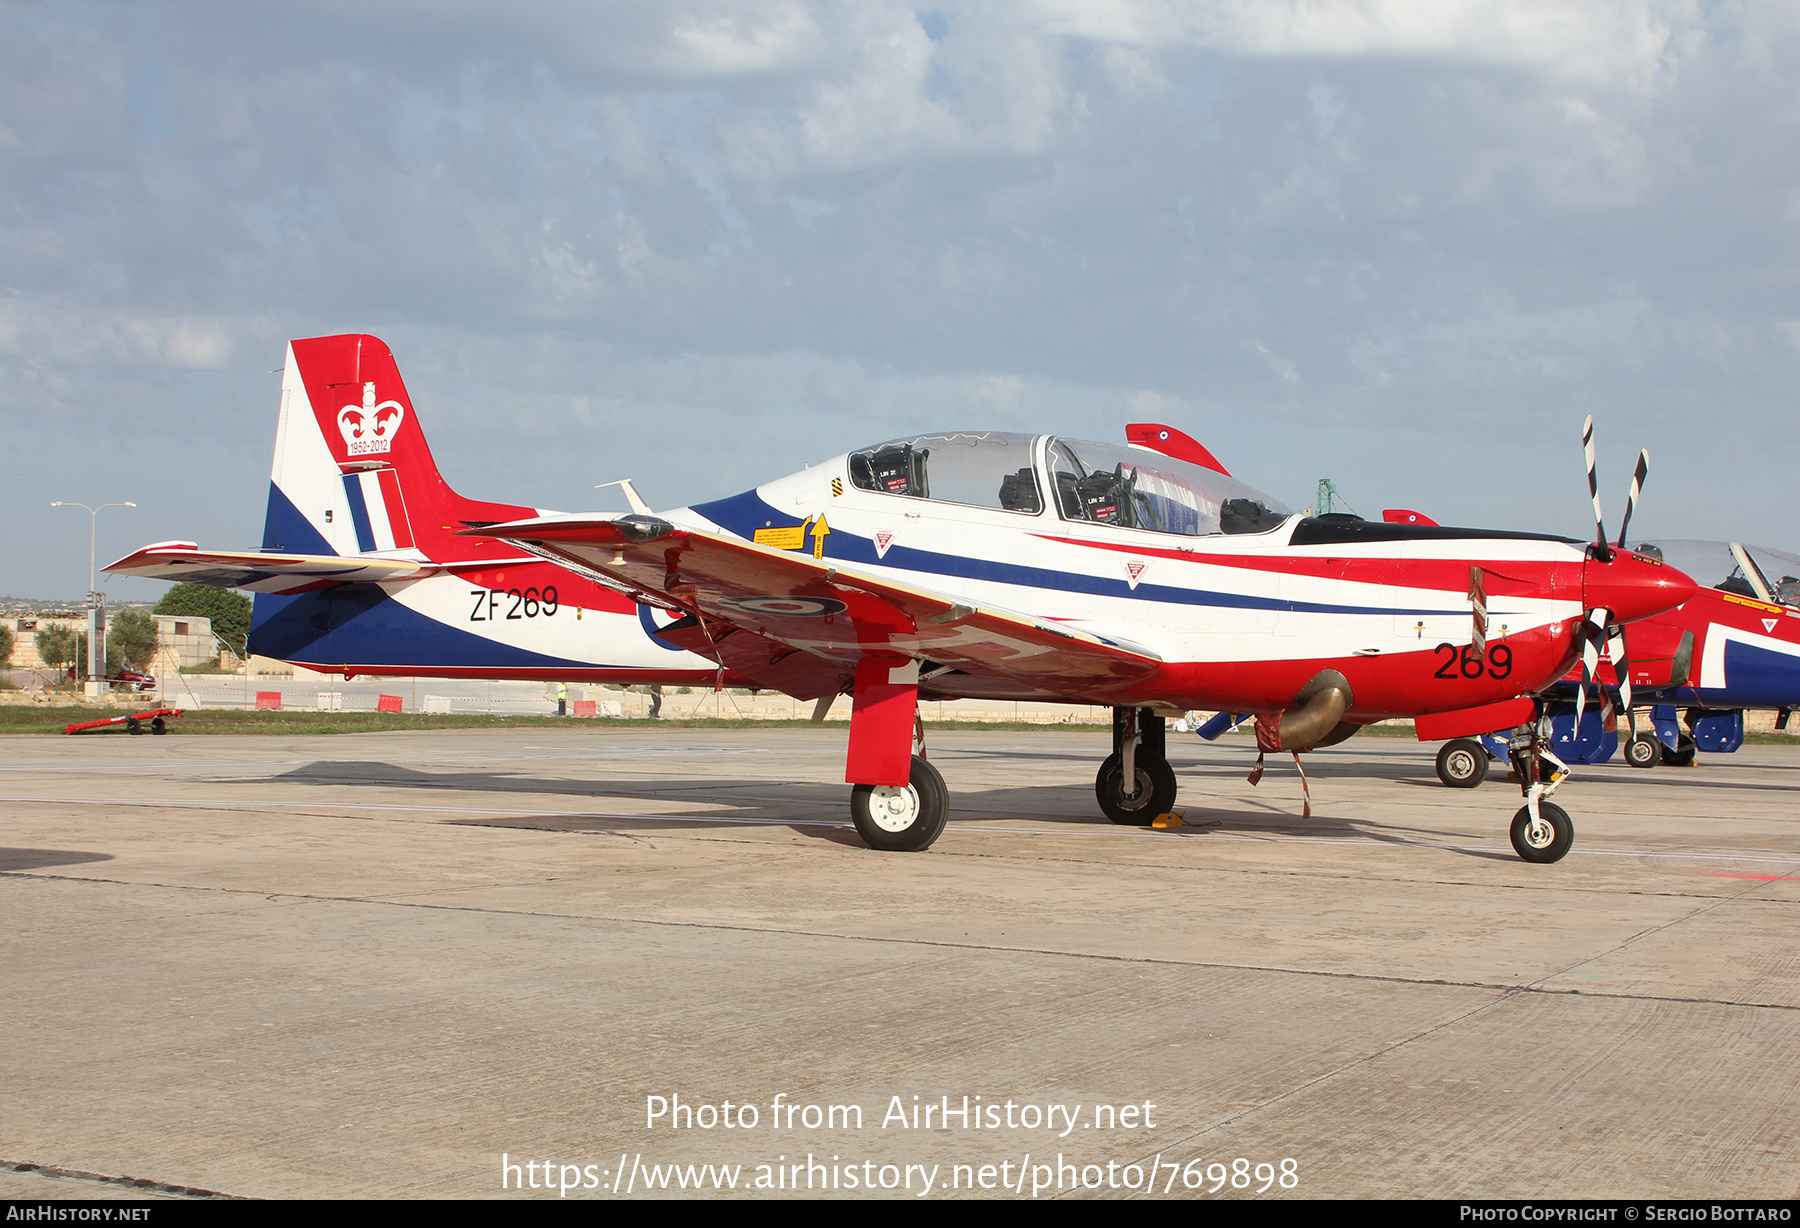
{"x":1037,"y":567}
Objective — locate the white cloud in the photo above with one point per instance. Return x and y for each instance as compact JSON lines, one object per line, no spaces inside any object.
{"x":1591,"y":40}
{"x":759,"y":38}
{"x":50,"y":336}
{"x":788,"y":229}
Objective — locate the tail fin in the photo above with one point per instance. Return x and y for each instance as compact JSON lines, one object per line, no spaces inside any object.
{"x":352,"y":472}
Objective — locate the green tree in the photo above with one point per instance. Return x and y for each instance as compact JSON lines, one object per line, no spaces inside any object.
{"x":229,"y":611}
{"x":133,"y":633}
{"x":115,"y":655}
{"x":6,"y":647}
{"x":55,"y":646}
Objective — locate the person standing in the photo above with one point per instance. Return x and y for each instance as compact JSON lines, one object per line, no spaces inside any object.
{"x":655,"y":700}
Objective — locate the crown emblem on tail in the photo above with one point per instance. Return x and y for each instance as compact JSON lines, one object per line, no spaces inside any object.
{"x":370,"y":427}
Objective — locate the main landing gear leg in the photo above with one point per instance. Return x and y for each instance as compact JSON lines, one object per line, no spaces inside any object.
{"x":1136,"y":783}
{"x":899,"y":802}
{"x":1541,"y":831}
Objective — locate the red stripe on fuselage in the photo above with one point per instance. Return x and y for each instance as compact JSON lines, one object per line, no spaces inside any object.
{"x":1505,"y":577}
{"x":1385,"y":686}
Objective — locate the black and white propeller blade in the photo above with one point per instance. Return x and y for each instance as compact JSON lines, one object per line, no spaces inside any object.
{"x":1593,"y":637}
{"x":1598,"y":632}
{"x":1621,"y":663}
{"x":1637,"y":484}
{"x":1587,"y":448}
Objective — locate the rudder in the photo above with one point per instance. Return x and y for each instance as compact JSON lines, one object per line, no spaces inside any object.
{"x":352,"y":473}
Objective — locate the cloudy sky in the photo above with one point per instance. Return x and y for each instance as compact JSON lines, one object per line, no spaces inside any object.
{"x":1403,"y":244}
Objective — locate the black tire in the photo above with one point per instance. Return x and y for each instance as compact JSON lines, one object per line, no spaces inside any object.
{"x":133,"y":726}
{"x":1684,"y":753}
{"x":902,"y":818}
{"x":1643,"y":751}
{"x":158,"y":726}
{"x":1463,"y":763}
{"x":1561,"y":834}
{"x":1154,"y":795}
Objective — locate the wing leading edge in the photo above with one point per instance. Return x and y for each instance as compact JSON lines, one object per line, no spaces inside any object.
{"x":825,"y":610}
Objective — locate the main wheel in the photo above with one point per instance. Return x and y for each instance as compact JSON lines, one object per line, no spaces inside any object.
{"x":1643,"y":751}
{"x":1550,"y":840}
{"x":902,"y":818}
{"x":1683,"y":754}
{"x":1462,"y":764}
{"x":1153,"y":792}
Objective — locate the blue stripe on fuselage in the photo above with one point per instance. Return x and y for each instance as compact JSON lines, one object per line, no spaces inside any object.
{"x":359,"y":624}
{"x":744,"y":514}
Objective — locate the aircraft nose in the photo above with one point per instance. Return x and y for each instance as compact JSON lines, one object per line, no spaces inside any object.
{"x":1632,"y":586}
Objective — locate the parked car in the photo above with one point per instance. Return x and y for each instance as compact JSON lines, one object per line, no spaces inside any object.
{"x":137,"y":680}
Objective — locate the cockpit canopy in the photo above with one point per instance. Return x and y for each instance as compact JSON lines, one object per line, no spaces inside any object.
{"x":1097,"y":483}
{"x":1732,"y":567}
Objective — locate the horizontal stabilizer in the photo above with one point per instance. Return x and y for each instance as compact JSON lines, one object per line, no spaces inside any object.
{"x":185,"y":562}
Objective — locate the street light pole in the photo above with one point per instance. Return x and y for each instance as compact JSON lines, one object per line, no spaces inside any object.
{"x":93,"y":520}
{"x":96,"y":603}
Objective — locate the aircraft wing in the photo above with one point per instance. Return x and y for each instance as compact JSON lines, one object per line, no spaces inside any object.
{"x":826,"y":610}
{"x":259,"y":572}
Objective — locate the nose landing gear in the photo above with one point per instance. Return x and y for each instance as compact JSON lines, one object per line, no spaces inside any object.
{"x":1541,"y":831}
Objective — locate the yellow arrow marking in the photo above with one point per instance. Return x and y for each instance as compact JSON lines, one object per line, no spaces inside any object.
{"x":819,"y":530}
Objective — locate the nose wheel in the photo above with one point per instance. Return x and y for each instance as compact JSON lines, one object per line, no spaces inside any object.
{"x":1545,"y":839}
{"x":1542,"y":831}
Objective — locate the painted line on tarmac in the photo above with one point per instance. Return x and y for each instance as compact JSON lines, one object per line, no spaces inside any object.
{"x":604,"y":751}
{"x":296,"y":807}
{"x":1506,"y":990}
{"x":1755,"y":855}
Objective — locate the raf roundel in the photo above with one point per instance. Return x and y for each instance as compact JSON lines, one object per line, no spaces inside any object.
{"x":793,"y":607}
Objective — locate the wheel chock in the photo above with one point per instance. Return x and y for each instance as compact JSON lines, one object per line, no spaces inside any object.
{"x":1162,"y":822}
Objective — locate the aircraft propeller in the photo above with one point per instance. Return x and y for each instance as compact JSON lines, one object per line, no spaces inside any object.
{"x":1598,"y":631}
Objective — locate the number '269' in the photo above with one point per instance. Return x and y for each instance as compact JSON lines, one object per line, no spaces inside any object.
{"x":1465,"y":662}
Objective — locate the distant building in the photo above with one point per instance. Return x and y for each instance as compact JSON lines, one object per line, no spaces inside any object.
{"x":182,"y":639}
{"x":185,"y":639}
